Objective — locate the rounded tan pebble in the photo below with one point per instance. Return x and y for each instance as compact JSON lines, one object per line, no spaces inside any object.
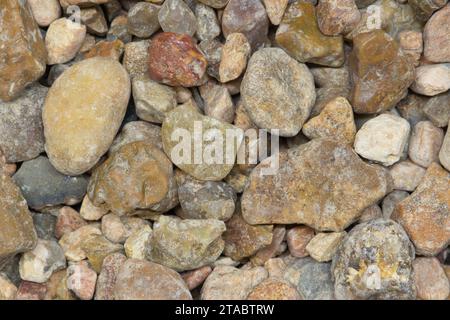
{"x":234,"y":57}
{"x":7,"y":289}
{"x":274,"y":289}
{"x":406,"y":175}
{"x":83,"y":112}
{"x":45,"y":11}
{"x":275,"y":10}
{"x":90,"y":212}
{"x":196,"y":277}
{"x":432,"y":80}
{"x":425,"y":143}
{"x":437,"y":37}
{"x":430,"y":279}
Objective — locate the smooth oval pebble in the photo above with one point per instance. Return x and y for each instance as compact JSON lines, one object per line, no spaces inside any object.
{"x":83,"y":112}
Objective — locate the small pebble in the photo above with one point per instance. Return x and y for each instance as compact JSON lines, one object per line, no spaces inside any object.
{"x":324,"y":245}
{"x":425,"y":143}
{"x":176,"y":16}
{"x":235,"y":53}
{"x":195,"y":278}
{"x":45,"y":11}
{"x":81,"y":280}
{"x":406,"y":175}
{"x":430,"y":279}
{"x":432,"y":79}
{"x":68,"y":220}
{"x":143,"y":19}
{"x":297,"y":240}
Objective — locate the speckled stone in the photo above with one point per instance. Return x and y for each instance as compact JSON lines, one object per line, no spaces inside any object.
{"x":176,"y":16}
{"x":437,"y":109}
{"x":406,"y":175}
{"x":432,"y":79}
{"x":137,"y":131}
{"x":107,"y":278}
{"x":324,"y":245}
{"x":95,"y":20}
{"x":72,"y":242}
{"x":208,"y":26}
{"x":143,"y":19}
{"x":275,"y":10}
{"x":337,"y":16}
{"x":436,"y":37}
{"x":425,"y":143}
{"x":68,"y":220}
{"x":274,"y":289}
{"x":217,"y":101}
{"x":430,"y":279}
{"x":81,"y":280}
{"x":234,"y":57}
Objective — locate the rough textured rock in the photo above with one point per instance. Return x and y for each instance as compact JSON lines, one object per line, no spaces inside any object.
{"x":43,"y":186}
{"x":375,"y":262}
{"x":31,"y":291}
{"x":324,"y":245}
{"x":217,"y":101}
{"x":22,"y":42}
{"x":176,"y":16}
{"x":72,"y":242}
{"x":97,"y":248}
{"x":21,"y":125}
{"x":425,"y":8}
{"x":186,"y":244}
{"x":444,"y":154}
{"x":45,"y":225}
{"x":152,"y":99}
{"x":175,"y":60}
{"x":137,"y":131}
{"x":108,"y":49}
{"x":81,"y":280}
{"x":322,"y":184}
{"x":234,"y":57}
{"x":118,"y":229}
{"x":335,"y":121}
{"x":425,"y":214}
{"x":383,"y":139}
{"x":411,"y":42}
{"x":274,"y":289}
{"x":17,"y":233}
{"x":68,"y":220}
{"x":406,"y":175}
{"x":215,"y":3}
{"x":275,"y":248}
{"x":135,"y":58}
{"x":71,"y":119}
{"x":63,"y":40}
{"x":184,"y":122}
{"x":432,"y":79}
{"x":277,"y":91}
{"x":275,"y":10}
{"x":195,"y":278}
{"x":95,"y":21}
{"x":107,"y":278}
{"x":143,"y":19}
{"x":229,"y":283}
{"x":391,"y":200}
{"x":437,"y":111}
{"x":430,"y":279}
{"x":137,"y":243}
{"x":90,"y":212}
{"x":40,"y":263}
{"x":145,"y":175}
{"x":212,"y":50}
{"x":425,"y":143}
{"x":208,"y":26}
{"x":337,"y":16}
{"x":436,"y":39}
{"x":297,"y":239}
{"x":247,"y":17}
{"x":144,"y":280}
{"x":7,"y":289}
{"x":45,"y":11}
{"x":381,"y":73}
{"x":300,"y":36}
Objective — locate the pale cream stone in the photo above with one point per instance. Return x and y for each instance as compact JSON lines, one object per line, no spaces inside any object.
{"x":324,"y":245}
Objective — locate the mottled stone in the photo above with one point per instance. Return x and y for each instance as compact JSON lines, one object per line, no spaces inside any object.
{"x":406,"y":175}
{"x":195,"y":278}
{"x":176,"y":16}
{"x":145,"y":175}
{"x":143,"y":19}
{"x":444,"y":154}
{"x":45,"y":11}
{"x":412,"y":108}
{"x":411,"y":42}
{"x":375,"y":262}
{"x":277,"y":91}
{"x":40,"y":263}
{"x":152,"y":99}
{"x":425,"y":143}
{"x":275,"y":248}
{"x":437,"y":109}
{"x":436,"y":37}
{"x":81,"y":280}
{"x":90,"y":212}
{"x":31,"y":291}
{"x":381,"y":73}
{"x":324,"y":245}
{"x":97,"y":248}
{"x":212,"y":50}
{"x":118,"y":229}
{"x":275,"y":10}
{"x":217,"y":101}
{"x":425,"y":214}
{"x":72,"y":242}
{"x":175,"y":60}
{"x":208,"y":26}
{"x":297,"y":239}
{"x":430,"y":279}
{"x":21,"y":125}
{"x":229,"y":283}
{"x":137,"y":131}
{"x":247,"y":17}
{"x":186,"y":244}
{"x":371,"y":213}
{"x":391,"y":200}
{"x":335,"y":121}
{"x":108,"y":49}
{"x":7,"y":289}
{"x":425,"y":8}
{"x":68,"y":220}
{"x":137,"y":244}
{"x":432,"y":79}
{"x":95,"y":20}
{"x":234,"y":57}
{"x":300,"y":36}
{"x":23,"y":56}
{"x":187,"y":120}
{"x":144,"y":280}
{"x":274,"y":289}
{"x":44,"y":224}
{"x":383,"y":139}
{"x":322,"y":184}
{"x":337,"y":16}
{"x":71,"y":119}
{"x":135,"y":58}
{"x":43,"y":186}
{"x":107,"y":278}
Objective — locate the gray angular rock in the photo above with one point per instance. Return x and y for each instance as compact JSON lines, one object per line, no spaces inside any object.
{"x":176,"y":16}
{"x":143,"y":19}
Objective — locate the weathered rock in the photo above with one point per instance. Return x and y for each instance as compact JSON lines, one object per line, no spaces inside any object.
{"x":40,"y":263}
{"x":31,"y":291}
{"x":300,"y":36}
{"x":337,"y":17}
{"x":144,"y":280}
{"x":44,"y":224}
{"x":375,"y":262}
{"x":243,"y":240}
{"x":208,"y":26}
{"x":371,"y":213}
{"x":137,"y":131}
{"x":391,"y":200}
{"x":275,"y":10}
{"x":425,"y":143}
{"x":68,"y":220}
{"x":72,"y":242}
{"x":152,"y":99}
{"x":274,"y":289}
{"x":118,"y":229}
{"x":406,"y":175}
{"x":212,"y":50}
{"x":144,"y":180}
{"x":176,"y":16}
{"x":7,"y":289}
{"x":335,"y":121}
{"x":45,"y":11}
{"x":412,"y":108}
{"x":90,"y":212}
{"x":97,"y":248}
{"x":297,"y":239}
{"x":135,"y":58}
{"x":383,"y":139}
{"x":186,"y":244}
{"x":215,"y":3}
{"x":195,"y":278}
{"x":425,"y":214}
{"x":436,"y":39}
{"x":430,"y":279}
{"x":6,"y":168}
{"x":324,"y":245}
{"x":43,"y":186}
{"x":432,"y":79}
{"x":247,"y":17}
{"x":81,"y":280}
{"x":175,"y":60}
{"x":108,"y":49}
{"x":411,"y":42}
{"x":322,"y":184}
{"x":273,"y":249}
{"x":217,"y":101}
{"x":63,"y":40}
{"x":186,"y":121}
{"x":21,"y":42}
{"x":143,"y":19}
{"x":95,"y":21}
{"x":277,"y":91}
{"x":69,"y":116}
{"x":21,"y":125}
{"x":137,"y":244}
{"x":229,"y":283}
{"x":437,"y":109}
{"x":381,"y":73}
{"x":234,"y":57}
{"x":107,"y":278}
{"x":425,"y":8}
{"x":444,"y":154}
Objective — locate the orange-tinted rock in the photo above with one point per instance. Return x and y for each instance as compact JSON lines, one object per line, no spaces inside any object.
{"x":23,"y":56}
{"x":337,"y":16}
{"x":297,"y":240}
{"x":430,"y":279}
{"x":196,"y":277}
{"x":425,"y":214}
{"x":107,"y":49}
{"x":175,"y":60}
{"x":274,"y":289}
{"x":68,"y":220}
{"x":380,"y":71}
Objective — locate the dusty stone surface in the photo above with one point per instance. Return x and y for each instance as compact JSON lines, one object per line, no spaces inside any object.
{"x":274,"y":289}
{"x":217,"y":101}
{"x":275,"y":10}
{"x":308,"y":178}
{"x":22,"y":41}
{"x":324,"y":245}
{"x":144,"y":280}
{"x":425,"y":213}
{"x":208,"y":26}
{"x":68,"y":220}
{"x":235,"y":53}
{"x":277,"y":91}
{"x":383,"y":139}
{"x":107,"y":278}
{"x":45,"y":11}
{"x":71,"y":117}
{"x":135,"y":58}
{"x":375,"y":262}
{"x":143,"y":19}
{"x":406,"y":175}
{"x":430,"y":279}
{"x":425,"y":143}
{"x":436,"y":40}
{"x":81,"y":280}
{"x":432,"y":79}
{"x":337,"y":17}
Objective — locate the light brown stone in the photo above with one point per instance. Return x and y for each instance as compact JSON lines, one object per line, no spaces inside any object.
{"x":234,"y":57}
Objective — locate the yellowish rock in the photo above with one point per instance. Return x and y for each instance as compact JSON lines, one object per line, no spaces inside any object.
{"x":324,"y":245}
